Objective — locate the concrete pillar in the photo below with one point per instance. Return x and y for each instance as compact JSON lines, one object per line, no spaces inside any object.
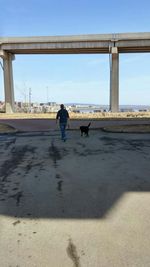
{"x":114,"y":80}
{"x":8,"y":83}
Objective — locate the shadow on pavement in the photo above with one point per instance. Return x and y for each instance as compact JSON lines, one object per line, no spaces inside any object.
{"x":42,"y":177}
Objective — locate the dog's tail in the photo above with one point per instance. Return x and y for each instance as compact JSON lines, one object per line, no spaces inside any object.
{"x":89,"y":125}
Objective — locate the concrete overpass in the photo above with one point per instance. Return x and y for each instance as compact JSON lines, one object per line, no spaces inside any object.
{"x":112,"y":44}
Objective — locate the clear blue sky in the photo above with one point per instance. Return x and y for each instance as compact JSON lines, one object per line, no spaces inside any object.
{"x":76,"y":78}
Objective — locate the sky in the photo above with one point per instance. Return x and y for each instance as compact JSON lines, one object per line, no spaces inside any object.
{"x":76,"y":78}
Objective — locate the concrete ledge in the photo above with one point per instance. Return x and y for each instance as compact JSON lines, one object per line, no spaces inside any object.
{"x":5,"y":128}
{"x":127,"y":129}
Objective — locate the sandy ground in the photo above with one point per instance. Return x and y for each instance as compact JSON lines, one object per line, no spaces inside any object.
{"x":82,"y":203}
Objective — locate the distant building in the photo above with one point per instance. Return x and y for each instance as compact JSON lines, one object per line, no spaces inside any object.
{"x":52,"y":104}
{"x":126,"y":110}
{"x":143,"y":110}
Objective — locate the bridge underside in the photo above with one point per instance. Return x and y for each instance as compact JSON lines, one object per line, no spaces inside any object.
{"x":76,"y":48}
{"x":74,"y":51}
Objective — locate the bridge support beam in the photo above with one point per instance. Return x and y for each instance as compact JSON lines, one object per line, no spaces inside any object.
{"x":114,"y":80}
{"x":8,"y":81}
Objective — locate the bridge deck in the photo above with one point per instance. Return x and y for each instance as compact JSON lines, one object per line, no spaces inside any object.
{"x":77,"y":44}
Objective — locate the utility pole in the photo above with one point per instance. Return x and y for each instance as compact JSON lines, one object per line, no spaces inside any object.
{"x":47,"y":96}
{"x":30,"y":100}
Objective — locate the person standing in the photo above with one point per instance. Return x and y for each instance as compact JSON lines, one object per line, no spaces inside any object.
{"x":63,"y":117}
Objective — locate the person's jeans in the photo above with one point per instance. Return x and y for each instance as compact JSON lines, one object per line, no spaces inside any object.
{"x":63,"y":130}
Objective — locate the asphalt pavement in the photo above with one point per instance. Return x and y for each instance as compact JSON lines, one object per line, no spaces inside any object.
{"x":82,"y":203}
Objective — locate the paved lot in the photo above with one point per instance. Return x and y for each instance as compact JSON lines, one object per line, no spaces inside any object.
{"x":50,"y":124}
{"x":83,"y":203}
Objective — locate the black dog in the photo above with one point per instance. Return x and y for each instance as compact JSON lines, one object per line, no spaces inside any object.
{"x":85,"y":130}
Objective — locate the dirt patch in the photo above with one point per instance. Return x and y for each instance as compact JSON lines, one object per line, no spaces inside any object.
{"x":72,"y":253}
{"x":17,"y":197}
{"x":128,"y":129}
{"x":59,"y":186}
{"x":4,"y":128}
{"x":17,"y":156}
{"x":16,"y":222}
{"x":56,"y":153}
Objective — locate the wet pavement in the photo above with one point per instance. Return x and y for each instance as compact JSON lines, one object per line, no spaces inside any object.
{"x":81,"y":203}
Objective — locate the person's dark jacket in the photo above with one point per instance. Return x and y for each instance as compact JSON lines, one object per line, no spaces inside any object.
{"x":62,"y":115}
